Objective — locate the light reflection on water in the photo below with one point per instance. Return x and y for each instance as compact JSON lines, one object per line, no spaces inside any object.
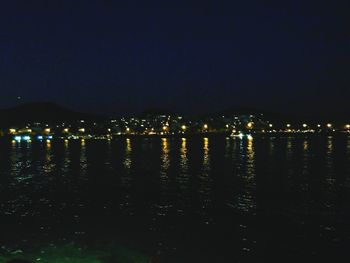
{"x":246,"y":200}
{"x":330,"y":177}
{"x":165,"y":164}
{"x":164,"y":179}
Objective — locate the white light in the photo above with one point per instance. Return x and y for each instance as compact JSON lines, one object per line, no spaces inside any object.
{"x":249,"y":137}
{"x":241,"y":135}
{"x":18,"y":138}
{"x":26,"y":138}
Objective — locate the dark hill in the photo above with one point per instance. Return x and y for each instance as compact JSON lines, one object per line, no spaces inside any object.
{"x":41,"y":112}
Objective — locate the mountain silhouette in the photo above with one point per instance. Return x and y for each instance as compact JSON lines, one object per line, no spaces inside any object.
{"x":41,"y":112}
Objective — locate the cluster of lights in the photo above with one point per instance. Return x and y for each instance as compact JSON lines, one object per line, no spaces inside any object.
{"x":28,"y":138}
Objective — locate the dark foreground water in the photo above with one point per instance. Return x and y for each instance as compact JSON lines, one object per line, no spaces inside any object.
{"x":198,"y":199}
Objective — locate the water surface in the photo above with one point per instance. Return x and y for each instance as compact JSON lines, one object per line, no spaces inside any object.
{"x":194,"y":199}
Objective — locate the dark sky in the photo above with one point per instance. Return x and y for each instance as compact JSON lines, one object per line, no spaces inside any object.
{"x":113,"y":57}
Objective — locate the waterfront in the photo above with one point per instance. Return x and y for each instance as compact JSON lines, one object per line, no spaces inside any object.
{"x":196,"y":199}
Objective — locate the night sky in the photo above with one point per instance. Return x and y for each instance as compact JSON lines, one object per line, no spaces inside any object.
{"x":111,"y":57}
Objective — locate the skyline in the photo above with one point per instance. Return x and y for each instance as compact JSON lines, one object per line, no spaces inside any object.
{"x":114,"y":58}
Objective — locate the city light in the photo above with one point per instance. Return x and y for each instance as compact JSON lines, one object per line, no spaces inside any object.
{"x":249,"y":137}
{"x":26,"y":138}
{"x":160,"y":125}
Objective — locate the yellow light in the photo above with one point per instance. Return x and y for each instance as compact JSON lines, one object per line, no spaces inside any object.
{"x":165,"y":128}
{"x":250,"y":125}
{"x":66,"y":130}
{"x":205,"y":126}
{"x":12,"y":131}
{"x":47,"y":130}
{"x":348,"y":126}
{"x":329,"y":125}
{"x":183,"y":127}
{"x":128,"y":129}
{"x":81,"y":130}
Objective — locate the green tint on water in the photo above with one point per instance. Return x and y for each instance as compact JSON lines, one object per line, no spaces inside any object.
{"x":73,"y":253}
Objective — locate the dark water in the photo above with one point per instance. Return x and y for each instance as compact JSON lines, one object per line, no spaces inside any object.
{"x":198,"y":199}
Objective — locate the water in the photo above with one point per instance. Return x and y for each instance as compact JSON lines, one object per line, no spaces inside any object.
{"x":194,"y":199}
